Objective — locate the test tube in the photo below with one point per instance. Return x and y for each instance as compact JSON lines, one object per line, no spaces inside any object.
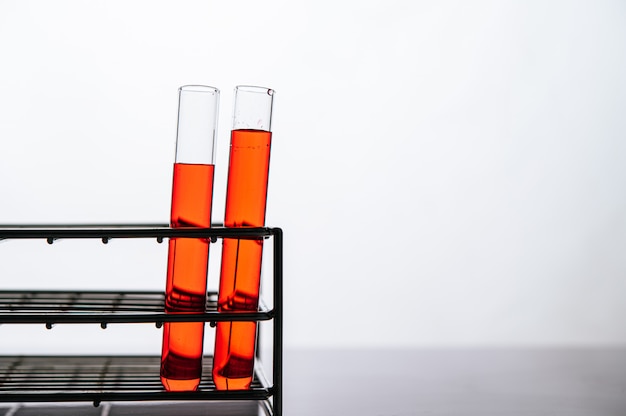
{"x":246,"y":197}
{"x":187,"y":266}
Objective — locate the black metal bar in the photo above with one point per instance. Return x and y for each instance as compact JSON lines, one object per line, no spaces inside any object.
{"x":127,"y":231}
{"x":278,"y":322}
{"x":96,"y":225}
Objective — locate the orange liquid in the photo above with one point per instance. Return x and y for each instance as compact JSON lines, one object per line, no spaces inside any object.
{"x":234,"y":355}
{"x":246,"y":197}
{"x":181,"y":363}
{"x":181,"y":358}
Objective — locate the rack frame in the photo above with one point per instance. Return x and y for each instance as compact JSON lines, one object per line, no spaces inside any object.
{"x":103,"y":309}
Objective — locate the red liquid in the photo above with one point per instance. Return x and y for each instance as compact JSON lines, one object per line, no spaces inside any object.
{"x":181,"y":363}
{"x":246,"y":197}
{"x":234,"y":355}
{"x":181,"y":358}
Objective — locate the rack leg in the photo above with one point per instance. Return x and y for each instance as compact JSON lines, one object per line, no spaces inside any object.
{"x":278,"y":321}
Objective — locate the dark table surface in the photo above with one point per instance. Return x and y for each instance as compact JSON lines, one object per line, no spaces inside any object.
{"x":450,"y":382}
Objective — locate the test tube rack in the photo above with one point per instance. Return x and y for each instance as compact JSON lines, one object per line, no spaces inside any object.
{"x":100,"y":379}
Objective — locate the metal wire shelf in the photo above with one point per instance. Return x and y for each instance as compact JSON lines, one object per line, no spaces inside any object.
{"x":126,"y":378}
{"x":105,"y":378}
{"x":76,"y":307}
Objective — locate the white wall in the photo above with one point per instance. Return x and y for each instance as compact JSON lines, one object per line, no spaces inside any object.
{"x":446,"y":172}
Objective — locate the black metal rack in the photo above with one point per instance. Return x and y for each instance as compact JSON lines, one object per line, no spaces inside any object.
{"x":97,"y":379}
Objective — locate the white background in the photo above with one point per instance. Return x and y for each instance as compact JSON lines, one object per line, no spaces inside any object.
{"x":447,"y":173}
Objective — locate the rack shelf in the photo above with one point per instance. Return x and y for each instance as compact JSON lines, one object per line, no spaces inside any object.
{"x":126,"y":378}
{"x":76,"y":307}
{"x":105,"y":378}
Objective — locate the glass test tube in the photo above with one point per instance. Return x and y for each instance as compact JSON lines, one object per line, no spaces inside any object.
{"x":187,"y":265}
{"x":246,"y":197}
